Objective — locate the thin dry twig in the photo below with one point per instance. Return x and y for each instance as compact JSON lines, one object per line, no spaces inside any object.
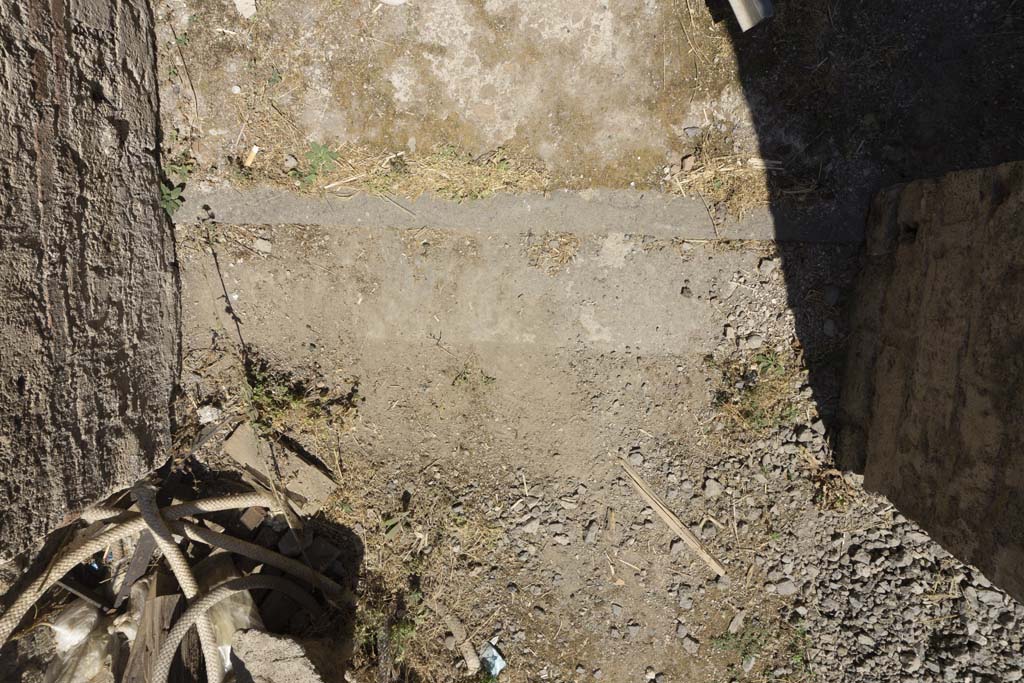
{"x":671,"y":519}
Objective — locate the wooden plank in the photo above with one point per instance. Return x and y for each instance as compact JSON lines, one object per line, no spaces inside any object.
{"x":164,"y":605}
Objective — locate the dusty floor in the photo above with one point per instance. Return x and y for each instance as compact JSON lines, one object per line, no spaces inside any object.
{"x":458,"y":98}
{"x":498,"y":374}
{"x":499,"y":381}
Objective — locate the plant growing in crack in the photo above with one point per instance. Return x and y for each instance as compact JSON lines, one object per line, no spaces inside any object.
{"x":170,"y":197}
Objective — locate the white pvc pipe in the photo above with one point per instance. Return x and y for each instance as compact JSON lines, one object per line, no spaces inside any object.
{"x":750,"y":13}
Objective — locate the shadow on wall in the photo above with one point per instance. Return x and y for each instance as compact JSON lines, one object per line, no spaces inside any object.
{"x":855,"y":95}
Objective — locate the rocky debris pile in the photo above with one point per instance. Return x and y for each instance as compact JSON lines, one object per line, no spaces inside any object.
{"x":884,"y":601}
{"x":877,"y":598}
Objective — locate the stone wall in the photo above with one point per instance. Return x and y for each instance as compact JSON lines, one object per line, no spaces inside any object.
{"x":933,"y":402}
{"x":89,"y":320}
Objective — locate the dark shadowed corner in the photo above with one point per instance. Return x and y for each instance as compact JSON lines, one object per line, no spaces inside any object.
{"x":853,"y":96}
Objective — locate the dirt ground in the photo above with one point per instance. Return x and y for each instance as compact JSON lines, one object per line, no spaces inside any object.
{"x":499,"y":381}
{"x":461,"y":99}
{"x":494,"y":379}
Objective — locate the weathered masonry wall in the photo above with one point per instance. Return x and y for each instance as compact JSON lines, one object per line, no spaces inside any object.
{"x":88,"y":292}
{"x":933,"y":403}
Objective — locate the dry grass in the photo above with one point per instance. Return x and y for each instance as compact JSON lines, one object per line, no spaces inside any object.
{"x":286,"y":157}
{"x":552,"y":251}
{"x":721,"y":178}
{"x":757,"y":395}
{"x":416,"y":550}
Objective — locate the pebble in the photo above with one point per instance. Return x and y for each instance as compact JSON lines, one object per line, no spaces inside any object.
{"x":785,"y":588}
{"x":712,"y":489}
{"x":289,"y":163}
{"x":736,"y":625}
{"x":531,"y":526}
{"x":691,"y":645}
{"x":767,"y":266}
{"x":753,"y":342}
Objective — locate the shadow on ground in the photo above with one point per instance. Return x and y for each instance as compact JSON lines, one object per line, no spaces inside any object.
{"x":852,"y":96}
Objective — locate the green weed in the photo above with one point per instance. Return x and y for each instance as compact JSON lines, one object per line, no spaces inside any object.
{"x":170,"y":198}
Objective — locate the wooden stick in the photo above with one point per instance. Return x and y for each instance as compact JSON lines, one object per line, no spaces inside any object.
{"x":671,"y":519}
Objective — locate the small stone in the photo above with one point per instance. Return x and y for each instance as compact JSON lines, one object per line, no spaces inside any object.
{"x":531,"y":526}
{"x":748,"y":663}
{"x":691,"y":645}
{"x":767,"y":266}
{"x":712,"y":489}
{"x":736,"y":625}
{"x":449,"y":641}
{"x":247,"y":8}
{"x":636,"y":458}
{"x":753,"y":342}
{"x":689,"y":161}
{"x":691,"y":131}
{"x":785,"y":588}
{"x":633,"y":629}
{"x":289,"y":545}
{"x":208,"y":414}
{"x":289,"y":163}
{"x":262,"y":246}
{"x":729,"y":332}
{"x":681,"y":630}
{"x":990,"y":597}
{"x":590,"y":533}
{"x":562,"y":539}
{"x":598,"y":674}
{"x":616,"y":609}
{"x":649,"y":674}
{"x":235,"y":90}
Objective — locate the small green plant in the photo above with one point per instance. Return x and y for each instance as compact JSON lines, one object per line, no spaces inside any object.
{"x":757,"y":395}
{"x":182,"y":40}
{"x":320,"y":158}
{"x":272,"y":395}
{"x":399,"y":635}
{"x":170,"y":198}
{"x":180,"y":168}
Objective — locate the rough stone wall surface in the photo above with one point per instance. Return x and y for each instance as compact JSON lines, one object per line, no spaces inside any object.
{"x":89,"y":317}
{"x":933,"y":402}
